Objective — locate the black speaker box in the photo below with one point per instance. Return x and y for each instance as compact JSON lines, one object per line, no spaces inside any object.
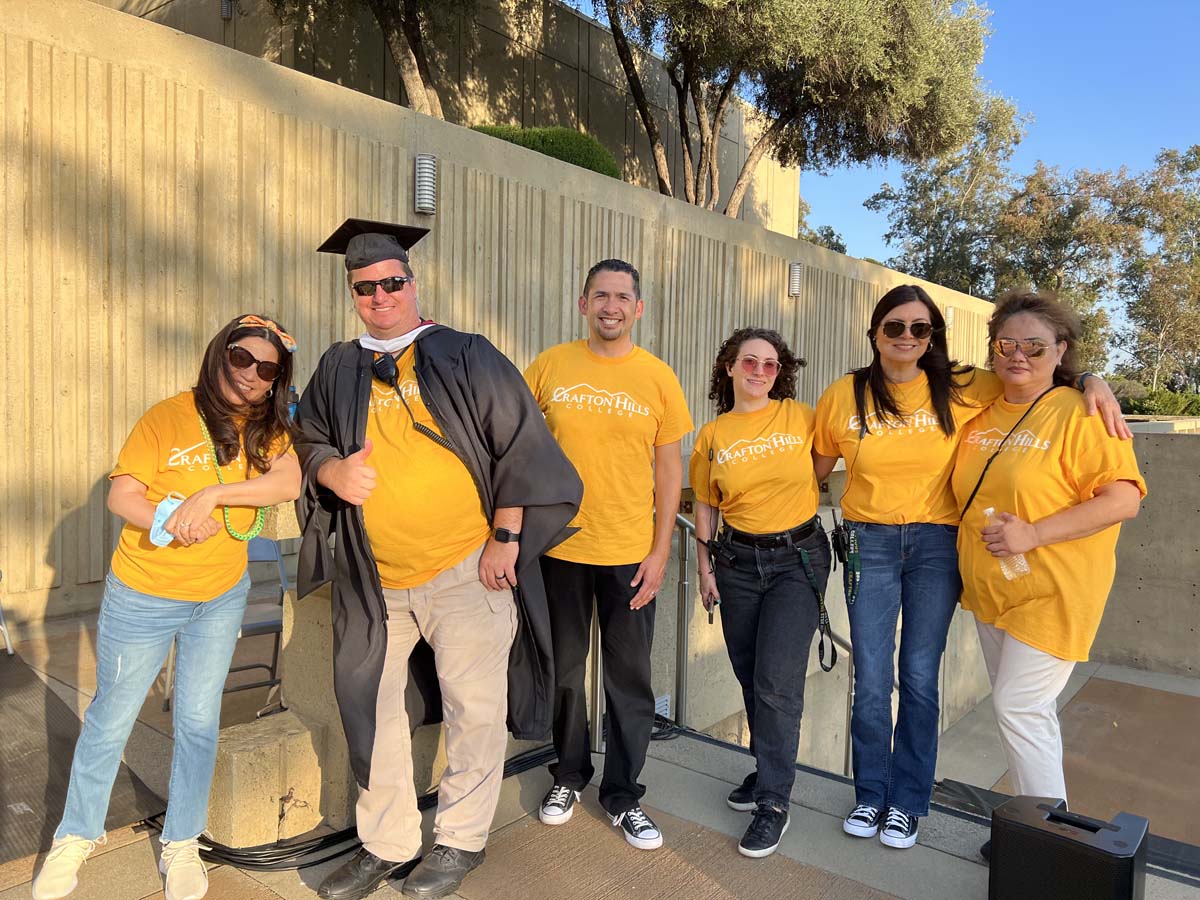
{"x":1040,"y":850}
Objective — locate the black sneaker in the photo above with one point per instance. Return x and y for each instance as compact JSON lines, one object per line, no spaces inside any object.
{"x":765,"y":831}
{"x":741,"y":798}
{"x":899,"y":829}
{"x":639,"y":828}
{"x":558,"y":805}
{"x":863,"y":822}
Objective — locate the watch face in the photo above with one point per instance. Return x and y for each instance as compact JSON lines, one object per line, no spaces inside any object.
{"x":504,"y":536}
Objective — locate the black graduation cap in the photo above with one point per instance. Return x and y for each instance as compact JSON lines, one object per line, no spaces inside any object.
{"x":365,"y":243}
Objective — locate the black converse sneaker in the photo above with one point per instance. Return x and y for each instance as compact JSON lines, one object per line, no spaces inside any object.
{"x":558,"y":805}
{"x":639,"y":828}
{"x":899,"y":829}
{"x":863,"y":822}
{"x":765,"y":831}
{"x":741,"y":797}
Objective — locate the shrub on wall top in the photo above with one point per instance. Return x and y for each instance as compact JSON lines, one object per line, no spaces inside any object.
{"x":561,"y":143}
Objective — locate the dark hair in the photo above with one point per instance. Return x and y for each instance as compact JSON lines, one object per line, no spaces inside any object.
{"x":942,"y":371}
{"x":614,"y":265}
{"x":262,"y":423}
{"x":1061,"y":319}
{"x":720,"y":388}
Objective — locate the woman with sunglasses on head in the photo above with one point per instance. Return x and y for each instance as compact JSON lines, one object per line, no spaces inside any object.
{"x":896,"y":422}
{"x":1042,"y":489}
{"x":768,"y":565}
{"x":192,"y":483}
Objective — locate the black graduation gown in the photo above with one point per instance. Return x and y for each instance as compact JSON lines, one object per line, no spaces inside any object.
{"x":484,"y":408}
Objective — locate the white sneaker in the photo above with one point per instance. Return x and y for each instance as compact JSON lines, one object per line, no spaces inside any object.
{"x":640,"y":830}
{"x":186,"y":876}
{"x":60,"y":871}
{"x":558,"y":805}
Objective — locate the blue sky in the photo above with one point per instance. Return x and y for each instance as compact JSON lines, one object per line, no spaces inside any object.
{"x":1108,"y":84}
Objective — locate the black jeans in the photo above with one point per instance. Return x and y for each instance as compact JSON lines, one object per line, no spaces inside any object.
{"x":769,"y":614}
{"x":625,"y":639}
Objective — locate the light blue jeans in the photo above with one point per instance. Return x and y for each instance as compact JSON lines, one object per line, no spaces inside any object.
{"x":135,"y":634}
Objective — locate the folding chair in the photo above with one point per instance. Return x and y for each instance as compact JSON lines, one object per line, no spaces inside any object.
{"x":4,"y":625}
{"x":259,"y":619}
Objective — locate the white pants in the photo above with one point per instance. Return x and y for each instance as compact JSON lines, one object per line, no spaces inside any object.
{"x":1026,"y":683}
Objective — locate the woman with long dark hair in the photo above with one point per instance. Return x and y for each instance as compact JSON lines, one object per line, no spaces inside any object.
{"x":768,"y":565}
{"x":192,"y":483}
{"x":896,"y":422}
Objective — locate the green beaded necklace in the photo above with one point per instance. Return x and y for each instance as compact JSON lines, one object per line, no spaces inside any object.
{"x":260,"y":517}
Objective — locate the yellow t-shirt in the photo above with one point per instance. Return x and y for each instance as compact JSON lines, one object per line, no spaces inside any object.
{"x":898,"y":473}
{"x":424,"y":515}
{"x":1056,"y":460}
{"x":167,"y":452}
{"x":608,"y":415}
{"x":760,"y":473}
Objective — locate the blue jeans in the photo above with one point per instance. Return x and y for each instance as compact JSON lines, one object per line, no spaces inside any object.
{"x":769,"y":615}
{"x":911,"y":568}
{"x":134,"y":635}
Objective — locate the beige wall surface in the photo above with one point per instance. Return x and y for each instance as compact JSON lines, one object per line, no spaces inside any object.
{"x":1152,"y":620}
{"x":156,"y":184}
{"x":559,"y":68}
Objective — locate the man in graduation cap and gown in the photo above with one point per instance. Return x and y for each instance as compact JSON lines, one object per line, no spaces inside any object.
{"x":427,"y":459}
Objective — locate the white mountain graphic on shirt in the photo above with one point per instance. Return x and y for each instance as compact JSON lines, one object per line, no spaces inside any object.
{"x":1025,"y":439}
{"x":587,"y":396}
{"x":919,"y":418}
{"x":749,"y":448}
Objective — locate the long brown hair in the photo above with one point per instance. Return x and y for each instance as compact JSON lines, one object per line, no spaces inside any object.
{"x":261,"y":424}
{"x":720,"y":388}
{"x":1059,"y":317}
{"x":942,"y":371}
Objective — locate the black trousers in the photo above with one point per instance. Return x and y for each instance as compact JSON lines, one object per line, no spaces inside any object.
{"x":625,"y":638}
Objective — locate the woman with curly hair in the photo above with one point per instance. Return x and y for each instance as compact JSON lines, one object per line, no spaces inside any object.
{"x":768,"y":565}
{"x":191,"y":483}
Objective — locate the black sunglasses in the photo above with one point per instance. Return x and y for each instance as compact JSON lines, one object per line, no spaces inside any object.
{"x":894,"y":328}
{"x":241,"y":358}
{"x":391,"y":284}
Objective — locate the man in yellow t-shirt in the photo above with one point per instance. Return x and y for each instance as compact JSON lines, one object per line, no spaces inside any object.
{"x":428,"y":461}
{"x":619,"y":414}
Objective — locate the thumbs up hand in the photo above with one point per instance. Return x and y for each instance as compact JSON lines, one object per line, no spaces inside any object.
{"x":351,"y":478}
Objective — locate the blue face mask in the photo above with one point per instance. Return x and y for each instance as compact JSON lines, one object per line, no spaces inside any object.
{"x":159,"y":536}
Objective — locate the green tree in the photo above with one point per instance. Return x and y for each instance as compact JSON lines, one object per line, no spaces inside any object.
{"x":823,"y":235}
{"x":832,"y":82}
{"x":405,"y":26}
{"x":1160,"y":282}
{"x":1065,"y":233}
{"x":943,"y":215}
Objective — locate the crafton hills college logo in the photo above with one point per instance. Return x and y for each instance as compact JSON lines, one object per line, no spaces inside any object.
{"x":1021,"y":442}
{"x":597,"y":400}
{"x":748,"y":449}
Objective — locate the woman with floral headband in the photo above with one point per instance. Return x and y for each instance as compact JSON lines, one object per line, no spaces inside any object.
{"x":192,"y":483}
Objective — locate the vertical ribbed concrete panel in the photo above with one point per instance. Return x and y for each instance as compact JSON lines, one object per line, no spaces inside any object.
{"x":154,"y":185}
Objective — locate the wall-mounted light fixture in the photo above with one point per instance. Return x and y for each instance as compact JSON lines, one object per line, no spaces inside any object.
{"x":425,"y":195}
{"x":226,"y":9}
{"x":795,"y":276}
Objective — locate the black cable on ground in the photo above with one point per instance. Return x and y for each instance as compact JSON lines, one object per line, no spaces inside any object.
{"x":300,"y":853}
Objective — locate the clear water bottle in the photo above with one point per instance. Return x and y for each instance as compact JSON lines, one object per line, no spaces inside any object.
{"x":1013,"y":567}
{"x":293,"y":402}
